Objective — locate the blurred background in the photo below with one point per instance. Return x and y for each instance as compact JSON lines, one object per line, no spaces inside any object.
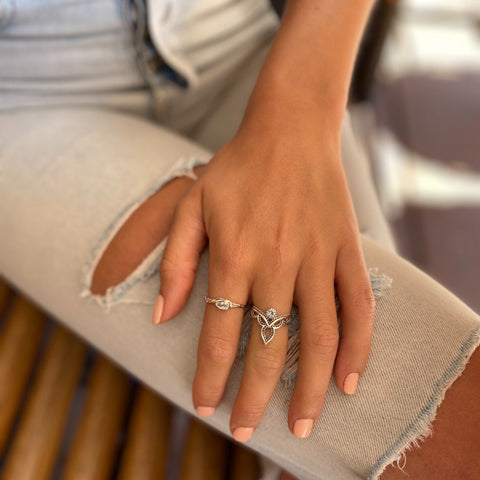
{"x":415,"y":102}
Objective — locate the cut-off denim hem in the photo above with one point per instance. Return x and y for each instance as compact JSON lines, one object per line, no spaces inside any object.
{"x":421,"y":427}
{"x":58,"y":200}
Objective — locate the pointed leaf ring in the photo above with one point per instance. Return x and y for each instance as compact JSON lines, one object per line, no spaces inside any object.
{"x":269,"y":321}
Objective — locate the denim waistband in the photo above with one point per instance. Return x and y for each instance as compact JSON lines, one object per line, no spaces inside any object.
{"x":151,"y":64}
{"x":68,"y":52}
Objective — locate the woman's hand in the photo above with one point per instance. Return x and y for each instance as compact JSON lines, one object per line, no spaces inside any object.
{"x":275,"y":207}
{"x":276,"y":210}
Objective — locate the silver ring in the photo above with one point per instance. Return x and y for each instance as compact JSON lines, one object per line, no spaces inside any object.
{"x":269,"y":321}
{"x":223,"y":303}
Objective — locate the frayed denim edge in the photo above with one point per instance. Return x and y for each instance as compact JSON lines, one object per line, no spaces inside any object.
{"x":149,"y":265}
{"x":380,"y":284}
{"x":421,"y":428}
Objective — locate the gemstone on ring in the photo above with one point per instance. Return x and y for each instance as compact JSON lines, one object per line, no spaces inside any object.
{"x":271,"y":314}
{"x":223,"y":304}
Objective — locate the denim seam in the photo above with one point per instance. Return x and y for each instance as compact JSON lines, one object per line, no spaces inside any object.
{"x":148,"y":266}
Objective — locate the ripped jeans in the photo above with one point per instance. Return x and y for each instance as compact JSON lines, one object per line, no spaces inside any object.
{"x":70,"y":177}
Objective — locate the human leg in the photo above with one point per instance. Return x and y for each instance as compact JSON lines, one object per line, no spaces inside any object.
{"x":140,"y":234}
{"x":452,"y":450}
{"x":65,"y":198}
{"x":456,"y":424}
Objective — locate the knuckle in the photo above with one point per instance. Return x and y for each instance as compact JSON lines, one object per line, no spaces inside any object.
{"x":231,"y":260}
{"x":323,"y":338}
{"x":216,"y":350}
{"x":312,"y":400}
{"x":268,"y":362}
{"x":314,"y":246}
{"x":167,"y":265}
{"x":252,"y":412}
{"x":317,"y":250}
{"x":171,"y":266}
{"x":206,"y":392}
{"x":280,"y":252}
{"x":348,"y":231}
{"x":182,"y":207}
{"x":232,"y":256}
{"x":364,"y":300}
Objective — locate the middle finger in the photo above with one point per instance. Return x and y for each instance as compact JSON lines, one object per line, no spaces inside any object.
{"x":263,"y":362}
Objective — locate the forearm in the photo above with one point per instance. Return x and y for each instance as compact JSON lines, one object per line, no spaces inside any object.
{"x":310,"y":63}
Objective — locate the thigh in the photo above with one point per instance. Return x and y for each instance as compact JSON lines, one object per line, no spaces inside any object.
{"x":452,"y":449}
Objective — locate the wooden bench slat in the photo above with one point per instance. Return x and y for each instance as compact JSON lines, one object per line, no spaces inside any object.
{"x":244,"y":464}
{"x":34,"y":435}
{"x":19,"y":342}
{"x":37,"y":439}
{"x":95,"y":445}
{"x":145,"y":453}
{"x":4,"y":294}
{"x":205,"y":456}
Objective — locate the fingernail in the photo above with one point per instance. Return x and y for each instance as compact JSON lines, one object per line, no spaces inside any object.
{"x":350,"y":383}
{"x":302,"y":427}
{"x":157,"y":310}
{"x":204,"y":411}
{"x":242,"y":434}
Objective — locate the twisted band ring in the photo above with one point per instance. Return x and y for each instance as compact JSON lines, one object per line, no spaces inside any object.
{"x":223,"y":303}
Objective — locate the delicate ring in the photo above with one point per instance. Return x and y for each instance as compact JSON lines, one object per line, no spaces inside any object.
{"x":223,"y":303}
{"x":269,"y":321}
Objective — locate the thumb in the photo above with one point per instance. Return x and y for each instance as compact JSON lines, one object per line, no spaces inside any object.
{"x":185,"y":242}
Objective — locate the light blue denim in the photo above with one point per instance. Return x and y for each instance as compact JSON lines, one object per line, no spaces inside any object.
{"x":70,"y":176}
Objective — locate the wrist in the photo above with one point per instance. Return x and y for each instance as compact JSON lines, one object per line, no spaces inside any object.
{"x":280,"y":110}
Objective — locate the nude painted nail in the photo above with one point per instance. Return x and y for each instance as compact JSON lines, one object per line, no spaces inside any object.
{"x":350,"y":383}
{"x":157,"y":310}
{"x":204,"y":411}
{"x":242,"y":434}
{"x":302,"y":427}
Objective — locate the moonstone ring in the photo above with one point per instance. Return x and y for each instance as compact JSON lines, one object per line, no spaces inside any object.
{"x":223,"y":303}
{"x":269,"y":321}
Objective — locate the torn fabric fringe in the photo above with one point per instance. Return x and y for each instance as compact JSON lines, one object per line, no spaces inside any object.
{"x":149,"y":266}
{"x":421,"y":427}
{"x":379,"y":282}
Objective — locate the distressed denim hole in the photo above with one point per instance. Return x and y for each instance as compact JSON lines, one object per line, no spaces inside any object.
{"x":139,"y":235}
{"x":130,"y":262}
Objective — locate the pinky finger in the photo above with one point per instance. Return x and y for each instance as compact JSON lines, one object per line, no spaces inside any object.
{"x":357,"y":317}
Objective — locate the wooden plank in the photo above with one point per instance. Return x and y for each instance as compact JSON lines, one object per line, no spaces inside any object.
{"x":4,"y":294}
{"x":19,"y":341}
{"x":205,"y":456}
{"x":95,"y":445}
{"x":37,"y":439}
{"x":145,"y":453}
{"x":244,"y":464}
